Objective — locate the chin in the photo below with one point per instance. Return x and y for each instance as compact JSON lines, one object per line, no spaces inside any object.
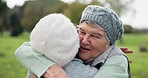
{"x":82,"y":56}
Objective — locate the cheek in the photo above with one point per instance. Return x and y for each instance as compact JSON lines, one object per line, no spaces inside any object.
{"x":99,"y":47}
{"x":96,"y":51}
{"x":80,"y":37}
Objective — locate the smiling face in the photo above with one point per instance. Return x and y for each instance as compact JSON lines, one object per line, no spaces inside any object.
{"x":93,"y":41}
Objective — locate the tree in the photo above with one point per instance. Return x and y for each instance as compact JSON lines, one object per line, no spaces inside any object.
{"x":3,"y":8}
{"x":74,"y":11}
{"x":119,"y":6}
{"x":35,"y":10}
{"x":128,"y":29}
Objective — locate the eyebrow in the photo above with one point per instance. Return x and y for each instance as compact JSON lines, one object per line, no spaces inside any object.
{"x":80,"y":29}
{"x":99,"y":34}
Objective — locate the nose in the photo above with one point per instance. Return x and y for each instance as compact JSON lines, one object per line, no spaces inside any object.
{"x":85,"y":40}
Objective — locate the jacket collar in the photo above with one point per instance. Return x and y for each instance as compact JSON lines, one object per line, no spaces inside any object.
{"x":111,"y":51}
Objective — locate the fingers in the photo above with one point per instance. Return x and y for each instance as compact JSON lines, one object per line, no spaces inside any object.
{"x":32,"y":76}
{"x":46,"y":75}
{"x":55,"y":71}
{"x":49,"y":73}
{"x":126,"y":50}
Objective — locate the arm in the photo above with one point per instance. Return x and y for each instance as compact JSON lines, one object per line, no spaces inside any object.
{"x":55,"y":71}
{"x":76,"y":69}
{"x":31,"y":75}
{"x":114,"y":68}
{"x":32,"y":60}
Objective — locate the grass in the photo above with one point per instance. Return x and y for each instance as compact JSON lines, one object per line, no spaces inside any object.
{"x":10,"y":67}
{"x":140,"y":63}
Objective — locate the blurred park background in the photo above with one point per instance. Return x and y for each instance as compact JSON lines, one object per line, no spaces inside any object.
{"x":16,"y":24}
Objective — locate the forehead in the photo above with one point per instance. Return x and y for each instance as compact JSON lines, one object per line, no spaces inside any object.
{"x":91,"y":28}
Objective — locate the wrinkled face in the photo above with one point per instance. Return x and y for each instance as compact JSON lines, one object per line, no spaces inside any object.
{"x":93,"y":41}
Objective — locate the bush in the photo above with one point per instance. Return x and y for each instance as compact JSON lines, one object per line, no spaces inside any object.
{"x":128,"y":29}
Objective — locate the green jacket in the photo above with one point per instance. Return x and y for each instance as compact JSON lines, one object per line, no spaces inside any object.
{"x":115,"y":64}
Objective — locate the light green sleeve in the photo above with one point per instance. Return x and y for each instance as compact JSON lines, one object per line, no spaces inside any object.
{"x":114,"y":67}
{"x":32,"y":60}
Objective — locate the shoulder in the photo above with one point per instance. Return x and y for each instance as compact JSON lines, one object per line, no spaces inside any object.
{"x":114,"y":67}
{"x":118,"y":63}
{"x":118,"y":60}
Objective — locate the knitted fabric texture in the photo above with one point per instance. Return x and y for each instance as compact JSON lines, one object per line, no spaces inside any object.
{"x":56,"y":37}
{"x":106,"y":18}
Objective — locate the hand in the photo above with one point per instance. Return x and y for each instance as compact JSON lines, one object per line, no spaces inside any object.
{"x":31,"y":76}
{"x":126,"y":50}
{"x":55,"y":71}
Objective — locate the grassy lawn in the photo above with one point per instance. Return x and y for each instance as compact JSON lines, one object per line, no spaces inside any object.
{"x":11,"y":68}
{"x":140,"y":59}
{"x":9,"y":65}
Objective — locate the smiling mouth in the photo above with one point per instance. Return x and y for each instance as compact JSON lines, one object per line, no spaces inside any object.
{"x":85,"y":48}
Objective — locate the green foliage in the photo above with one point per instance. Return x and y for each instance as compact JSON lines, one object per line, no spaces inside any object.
{"x":128,"y":29}
{"x":96,"y":2}
{"x":35,"y":10}
{"x":3,"y":9}
{"x":3,"y":6}
{"x":119,"y":6}
{"x":74,"y":11}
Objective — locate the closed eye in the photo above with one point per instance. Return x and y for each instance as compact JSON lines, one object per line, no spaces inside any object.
{"x":81,"y":32}
{"x":96,"y":36}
